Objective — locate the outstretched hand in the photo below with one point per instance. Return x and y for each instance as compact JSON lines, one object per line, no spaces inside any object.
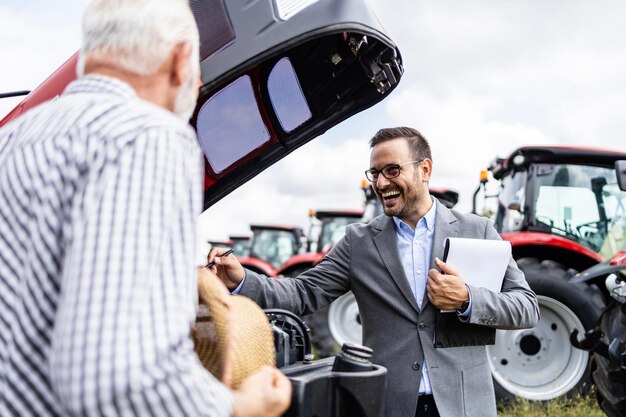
{"x":446,"y":289}
{"x":266,"y":393}
{"x":227,"y":268}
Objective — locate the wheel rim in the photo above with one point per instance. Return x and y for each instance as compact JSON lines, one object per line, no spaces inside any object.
{"x":539,"y":363}
{"x":344,"y":321}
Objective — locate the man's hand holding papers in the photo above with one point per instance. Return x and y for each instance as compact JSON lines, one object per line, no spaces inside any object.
{"x":446,"y":289}
{"x":467,"y":262}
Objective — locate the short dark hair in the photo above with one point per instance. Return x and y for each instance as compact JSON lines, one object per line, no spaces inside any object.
{"x":417,"y":143}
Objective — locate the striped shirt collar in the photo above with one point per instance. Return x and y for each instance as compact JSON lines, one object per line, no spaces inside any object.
{"x":101,"y":84}
{"x":429,"y":219}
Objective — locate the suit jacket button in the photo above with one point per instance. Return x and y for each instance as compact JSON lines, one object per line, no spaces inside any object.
{"x":421,"y":326}
{"x":415,"y":366}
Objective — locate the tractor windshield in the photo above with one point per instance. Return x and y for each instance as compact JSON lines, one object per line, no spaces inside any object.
{"x":274,"y":246}
{"x":582,"y":203}
{"x":241,"y":246}
{"x":333,"y":229}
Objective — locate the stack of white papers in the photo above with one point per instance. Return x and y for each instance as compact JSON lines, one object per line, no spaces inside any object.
{"x":479,"y":262}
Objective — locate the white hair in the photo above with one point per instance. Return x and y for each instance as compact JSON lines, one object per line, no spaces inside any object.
{"x":137,"y":35}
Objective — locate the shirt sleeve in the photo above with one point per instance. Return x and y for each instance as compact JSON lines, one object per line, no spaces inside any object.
{"x":237,"y":290}
{"x":121,"y":343}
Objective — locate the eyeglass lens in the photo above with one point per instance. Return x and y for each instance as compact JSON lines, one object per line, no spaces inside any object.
{"x":390,"y":171}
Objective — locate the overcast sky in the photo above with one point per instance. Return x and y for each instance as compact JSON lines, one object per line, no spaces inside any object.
{"x":481,"y":78}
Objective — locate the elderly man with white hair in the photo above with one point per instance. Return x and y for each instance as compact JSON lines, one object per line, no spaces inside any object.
{"x":99,"y":193}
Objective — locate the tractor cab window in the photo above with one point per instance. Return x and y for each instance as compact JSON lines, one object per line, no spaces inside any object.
{"x":241,"y":247}
{"x":582,"y":203}
{"x":274,"y":246}
{"x":333,"y":229}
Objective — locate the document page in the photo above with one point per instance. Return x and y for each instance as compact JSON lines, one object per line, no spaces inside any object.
{"x":481,"y":263}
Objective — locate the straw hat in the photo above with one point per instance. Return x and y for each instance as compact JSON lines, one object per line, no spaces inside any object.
{"x":232,"y":335}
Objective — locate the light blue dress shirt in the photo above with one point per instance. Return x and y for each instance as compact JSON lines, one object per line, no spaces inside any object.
{"x":415,"y":249}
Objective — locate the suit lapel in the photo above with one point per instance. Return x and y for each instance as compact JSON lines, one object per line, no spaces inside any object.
{"x":445,"y":226}
{"x":386,"y":244}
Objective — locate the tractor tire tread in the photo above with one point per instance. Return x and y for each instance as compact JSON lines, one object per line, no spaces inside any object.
{"x":610,"y":378}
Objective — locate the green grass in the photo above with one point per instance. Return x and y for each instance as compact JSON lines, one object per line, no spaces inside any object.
{"x":576,"y":407}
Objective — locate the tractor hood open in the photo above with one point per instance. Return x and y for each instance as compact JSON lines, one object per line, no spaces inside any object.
{"x":275,"y":74}
{"x":278,"y":73}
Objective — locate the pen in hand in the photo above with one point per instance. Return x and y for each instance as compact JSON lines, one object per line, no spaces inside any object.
{"x":228,"y":252}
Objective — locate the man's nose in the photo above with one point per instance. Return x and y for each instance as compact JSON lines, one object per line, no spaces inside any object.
{"x":381,"y":181}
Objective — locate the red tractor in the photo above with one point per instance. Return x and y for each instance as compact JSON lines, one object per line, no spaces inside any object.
{"x":271,"y":246}
{"x":563,"y":212}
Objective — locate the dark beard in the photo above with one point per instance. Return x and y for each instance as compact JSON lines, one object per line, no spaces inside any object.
{"x":394,"y":212}
{"x":399,"y":212}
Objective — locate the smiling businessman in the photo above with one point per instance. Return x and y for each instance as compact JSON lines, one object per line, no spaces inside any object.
{"x":436,"y":361}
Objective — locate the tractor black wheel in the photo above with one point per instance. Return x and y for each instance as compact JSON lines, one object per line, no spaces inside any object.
{"x":610,"y":378}
{"x":540,"y":364}
{"x":321,"y":339}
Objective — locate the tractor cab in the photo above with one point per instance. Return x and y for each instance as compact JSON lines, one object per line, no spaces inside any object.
{"x":570,"y":193}
{"x":271,"y":246}
{"x":332,"y":225}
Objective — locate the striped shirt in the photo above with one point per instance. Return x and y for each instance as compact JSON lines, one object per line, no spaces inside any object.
{"x":99,"y":193}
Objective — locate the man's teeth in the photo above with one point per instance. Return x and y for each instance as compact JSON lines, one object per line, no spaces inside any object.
{"x":391,"y":194}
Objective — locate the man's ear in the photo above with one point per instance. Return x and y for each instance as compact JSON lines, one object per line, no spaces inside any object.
{"x":427,"y":169}
{"x":179,"y":68}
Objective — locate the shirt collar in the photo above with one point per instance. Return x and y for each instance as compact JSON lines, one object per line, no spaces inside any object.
{"x":102,"y":84}
{"x":429,"y":219}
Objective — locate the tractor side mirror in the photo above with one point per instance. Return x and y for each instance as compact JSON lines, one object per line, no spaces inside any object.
{"x":620,"y":172}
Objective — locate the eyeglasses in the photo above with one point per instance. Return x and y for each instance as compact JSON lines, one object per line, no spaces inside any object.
{"x":389,"y":172}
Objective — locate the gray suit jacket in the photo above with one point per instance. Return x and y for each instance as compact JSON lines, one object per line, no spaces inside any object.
{"x":367,"y":262}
